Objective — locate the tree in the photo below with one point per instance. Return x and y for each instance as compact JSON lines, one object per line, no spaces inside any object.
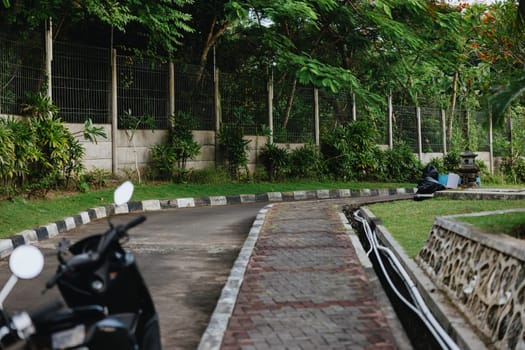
{"x":500,"y":44}
{"x":157,"y":26}
{"x":210,"y":21}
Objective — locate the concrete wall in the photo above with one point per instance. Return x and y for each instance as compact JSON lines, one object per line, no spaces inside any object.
{"x":427,"y":157}
{"x":483,"y":274}
{"x":99,"y":155}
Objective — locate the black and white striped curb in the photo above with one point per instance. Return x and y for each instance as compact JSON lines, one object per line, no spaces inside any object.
{"x":53,"y":229}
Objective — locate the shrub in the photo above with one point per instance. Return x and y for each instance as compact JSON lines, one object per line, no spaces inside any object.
{"x":170,"y":158}
{"x":209,"y":175}
{"x":7,"y":153}
{"x":401,"y":164}
{"x":233,"y":148}
{"x":438,"y":164}
{"x":61,"y":154}
{"x":180,"y":137}
{"x":276,"y":161}
{"x":307,"y":162}
{"x":451,"y":161}
{"x":350,"y":150}
{"x":96,"y":178}
{"x":163,"y":156}
{"x":514,"y":169}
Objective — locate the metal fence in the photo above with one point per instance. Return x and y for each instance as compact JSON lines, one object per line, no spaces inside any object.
{"x":293,"y":116}
{"x":245,"y":106}
{"x":21,"y":72}
{"x":142,"y":92}
{"x":81,"y":88}
{"x":194,"y":94}
{"x":81,"y":82}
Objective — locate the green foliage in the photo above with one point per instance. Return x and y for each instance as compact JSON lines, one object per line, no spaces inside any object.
{"x":61,"y":153}
{"x":233,"y":148}
{"x":307,"y":162}
{"x":210,"y":176}
{"x":351,"y":151}
{"x":180,"y":136}
{"x":95,"y":179}
{"x":7,"y":152}
{"x":401,"y":164}
{"x":38,"y":153}
{"x":276,"y":161}
{"x":451,"y":161}
{"x":163,"y":156}
{"x":513,"y":169}
{"x":170,"y":158}
{"x":483,"y":168}
{"x":132,"y":122}
{"x":26,"y":149}
{"x":311,"y":71}
{"x":38,"y":106}
{"x":158,"y":25}
{"x":438,"y":164}
{"x":91,"y":132}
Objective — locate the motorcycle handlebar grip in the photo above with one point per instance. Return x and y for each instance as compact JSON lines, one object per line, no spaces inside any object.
{"x":138,"y":220}
{"x":40,"y":313}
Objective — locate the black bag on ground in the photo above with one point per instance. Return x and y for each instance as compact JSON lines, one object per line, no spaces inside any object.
{"x":429,"y":184}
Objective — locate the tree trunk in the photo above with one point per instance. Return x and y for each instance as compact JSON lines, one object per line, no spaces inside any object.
{"x":211,"y":40}
{"x":289,"y":104}
{"x":453,"y":99}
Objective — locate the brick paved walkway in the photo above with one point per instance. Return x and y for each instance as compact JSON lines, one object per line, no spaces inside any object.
{"x":305,"y":288}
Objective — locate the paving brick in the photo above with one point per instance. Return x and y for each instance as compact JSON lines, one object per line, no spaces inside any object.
{"x":304,"y":287}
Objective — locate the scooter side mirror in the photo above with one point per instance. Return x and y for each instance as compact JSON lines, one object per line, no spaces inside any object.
{"x":123,"y":193}
{"x":26,"y":262}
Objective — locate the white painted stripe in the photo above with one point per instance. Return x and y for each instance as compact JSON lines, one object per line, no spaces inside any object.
{"x":151,"y":205}
{"x":185,"y":202}
{"x":218,"y":200}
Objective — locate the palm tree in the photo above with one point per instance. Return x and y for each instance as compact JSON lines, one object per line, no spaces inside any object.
{"x":503,"y":98}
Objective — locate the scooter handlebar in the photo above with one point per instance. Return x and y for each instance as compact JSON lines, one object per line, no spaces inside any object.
{"x":136,"y":221}
{"x":92,"y":257}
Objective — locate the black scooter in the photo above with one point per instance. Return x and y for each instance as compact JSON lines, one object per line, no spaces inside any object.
{"x":109,"y":305}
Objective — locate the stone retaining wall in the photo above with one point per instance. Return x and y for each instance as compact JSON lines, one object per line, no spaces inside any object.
{"x":483,"y":274}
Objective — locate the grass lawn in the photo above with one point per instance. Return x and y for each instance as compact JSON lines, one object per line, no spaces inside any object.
{"x":410,"y":222}
{"x":512,"y":224}
{"x":21,"y":214}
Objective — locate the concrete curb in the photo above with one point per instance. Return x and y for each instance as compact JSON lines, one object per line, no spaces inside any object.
{"x":480,"y":194}
{"x":53,"y":229}
{"x":214,"y":333}
{"x":446,"y":314}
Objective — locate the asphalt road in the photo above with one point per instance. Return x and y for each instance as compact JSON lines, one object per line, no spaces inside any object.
{"x":185,"y":256}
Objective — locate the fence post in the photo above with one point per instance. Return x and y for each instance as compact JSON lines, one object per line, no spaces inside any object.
{"x":491,"y":146}
{"x":444,"y":131}
{"x":217,"y":101}
{"x":354,"y":108}
{"x":419,"y":135}
{"x":390,"y":122}
{"x":49,"y":55}
{"x":316,"y":116}
{"x":270,"y":107}
{"x":171,"y":89}
{"x":217,"y":105}
{"x":114,"y":114}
